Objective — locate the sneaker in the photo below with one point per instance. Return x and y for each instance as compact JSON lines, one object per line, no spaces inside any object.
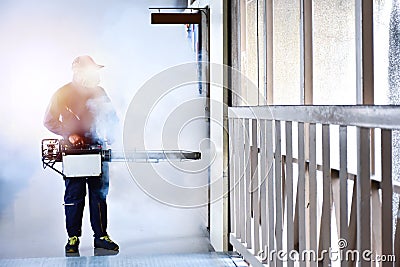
{"x":106,"y":243}
{"x":73,"y":245}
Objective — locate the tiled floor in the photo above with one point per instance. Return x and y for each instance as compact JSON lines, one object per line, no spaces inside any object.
{"x":157,"y":260}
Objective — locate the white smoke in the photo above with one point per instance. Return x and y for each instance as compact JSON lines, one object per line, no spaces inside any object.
{"x":40,"y":39}
{"x":106,"y":124}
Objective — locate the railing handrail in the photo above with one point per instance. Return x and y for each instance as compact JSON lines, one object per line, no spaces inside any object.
{"x":369,"y":116}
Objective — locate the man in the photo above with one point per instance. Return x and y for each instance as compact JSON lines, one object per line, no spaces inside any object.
{"x":82,"y":114}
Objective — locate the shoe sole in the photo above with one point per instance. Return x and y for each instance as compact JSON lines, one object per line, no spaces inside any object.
{"x":104,"y":252}
{"x":72,"y":254}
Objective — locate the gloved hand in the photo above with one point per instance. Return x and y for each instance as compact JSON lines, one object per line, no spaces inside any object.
{"x":76,"y":140}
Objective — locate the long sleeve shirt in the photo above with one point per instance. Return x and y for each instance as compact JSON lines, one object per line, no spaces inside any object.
{"x":82,"y":111}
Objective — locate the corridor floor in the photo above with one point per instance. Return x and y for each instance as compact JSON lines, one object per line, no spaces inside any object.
{"x":159,"y":260}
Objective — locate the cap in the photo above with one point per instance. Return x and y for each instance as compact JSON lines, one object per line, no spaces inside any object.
{"x":84,"y":62}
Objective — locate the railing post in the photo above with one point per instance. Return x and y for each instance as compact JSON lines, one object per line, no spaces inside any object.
{"x":270,"y":192}
{"x":363,"y":193}
{"x":301,"y":185}
{"x":343,"y":225}
{"x":263,"y":188}
{"x":232,"y":180}
{"x":312,"y":170}
{"x":387,"y":195}
{"x":242,"y":165}
{"x":326,"y":205}
{"x":278,"y":190}
{"x":238,"y":149}
{"x":254,"y":187}
{"x":289,"y":190}
{"x":247,"y":179}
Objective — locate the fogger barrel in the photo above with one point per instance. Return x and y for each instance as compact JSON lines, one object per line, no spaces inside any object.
{"x":150,"y":155}
{"x":86,"y":160}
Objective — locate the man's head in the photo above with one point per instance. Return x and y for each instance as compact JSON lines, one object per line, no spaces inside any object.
{"x":86,"y":71}
{"x":85,"y":62}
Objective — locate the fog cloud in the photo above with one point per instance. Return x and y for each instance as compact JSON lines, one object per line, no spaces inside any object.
{"x":40,"y":39}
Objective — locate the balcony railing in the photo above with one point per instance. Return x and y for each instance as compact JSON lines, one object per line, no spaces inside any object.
{"x":311,"y":184}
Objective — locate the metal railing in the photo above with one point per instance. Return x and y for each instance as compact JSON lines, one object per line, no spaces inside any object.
{"x":286,"y":208}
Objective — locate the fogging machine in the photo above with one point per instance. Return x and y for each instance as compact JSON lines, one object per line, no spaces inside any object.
{"x":86,"y":160}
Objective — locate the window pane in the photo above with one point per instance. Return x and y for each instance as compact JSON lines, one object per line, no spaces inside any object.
{"x":261,"y":54}
{"x":334,"y":52}
{"x":286,"y":52}
{"x":251,"y":69}
{"x":382,"y":13}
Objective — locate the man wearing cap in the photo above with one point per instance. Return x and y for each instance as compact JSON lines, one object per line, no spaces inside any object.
{"x":81,"y":112}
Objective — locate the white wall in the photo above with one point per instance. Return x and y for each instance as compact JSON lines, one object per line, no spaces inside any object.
{"x":218,"y":208}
